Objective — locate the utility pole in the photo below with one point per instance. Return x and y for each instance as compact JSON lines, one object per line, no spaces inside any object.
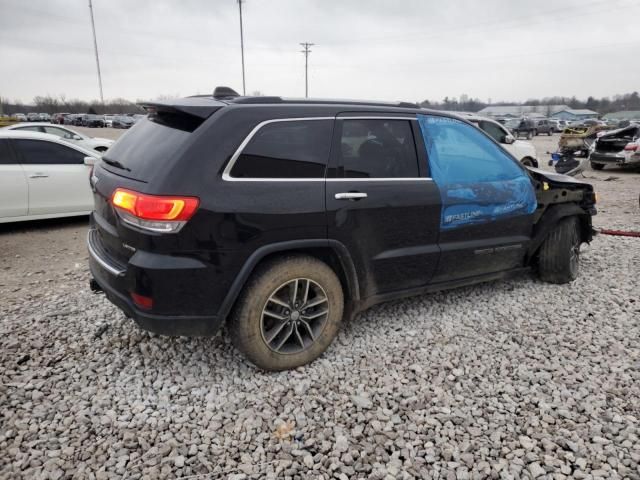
{"x":95,"y":47}
{"x":244,"y":88}
{"x":306,"y":52}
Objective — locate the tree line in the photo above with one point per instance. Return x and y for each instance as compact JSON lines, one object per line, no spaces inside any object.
{"x":49,"y":104}
{"x":627,"y":101}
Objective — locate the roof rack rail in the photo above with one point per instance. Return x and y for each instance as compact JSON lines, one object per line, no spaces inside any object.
{"x":263,"y":100}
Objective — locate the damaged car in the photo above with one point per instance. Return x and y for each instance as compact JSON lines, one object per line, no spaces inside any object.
{"x":576,"y":140}
{"x":282,"y":217}
{"x":619,"y":147}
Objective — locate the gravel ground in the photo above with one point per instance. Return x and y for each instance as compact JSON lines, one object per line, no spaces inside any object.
{"x":510,"y":379}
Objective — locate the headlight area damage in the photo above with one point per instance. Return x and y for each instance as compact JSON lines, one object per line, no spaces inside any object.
{"x":560,"y":196}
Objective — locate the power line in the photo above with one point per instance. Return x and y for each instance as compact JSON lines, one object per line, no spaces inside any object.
{"x":306,"y":52}
{"x":244,"y":89}
{"x":95,"y":47}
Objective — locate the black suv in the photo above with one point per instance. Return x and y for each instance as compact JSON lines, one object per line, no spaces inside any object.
{"x":282,"y":217}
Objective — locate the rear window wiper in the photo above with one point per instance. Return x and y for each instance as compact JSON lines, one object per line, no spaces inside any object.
{"x":115,"y":163}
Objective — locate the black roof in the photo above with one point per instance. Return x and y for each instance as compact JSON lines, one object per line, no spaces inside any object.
{"x":203,"y":105}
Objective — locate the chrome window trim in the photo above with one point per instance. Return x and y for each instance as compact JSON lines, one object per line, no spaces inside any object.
{"x":226,"y":173}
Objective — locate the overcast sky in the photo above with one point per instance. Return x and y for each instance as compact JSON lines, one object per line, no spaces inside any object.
{"x":371,"y":49}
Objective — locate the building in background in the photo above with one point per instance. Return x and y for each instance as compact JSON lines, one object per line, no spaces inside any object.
{"x":630,"y":115}
{"x":517,"y":111}
{"x":574,"y":114}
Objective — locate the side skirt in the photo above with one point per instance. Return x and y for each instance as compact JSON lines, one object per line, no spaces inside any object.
{"x":436,"y":287}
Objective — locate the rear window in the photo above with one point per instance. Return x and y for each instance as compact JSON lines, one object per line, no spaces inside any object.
{"x":290,"y":149}
{"x":145,"y":148}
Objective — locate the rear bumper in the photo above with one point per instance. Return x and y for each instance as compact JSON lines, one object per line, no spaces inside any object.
{"x":115,"y":281}
{"x":615,"y":158}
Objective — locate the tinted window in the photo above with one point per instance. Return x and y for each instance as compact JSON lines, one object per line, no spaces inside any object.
{"x":496,"y":132}
{"x":5,"y":154}
{"x":297,"y":149}
{"x":31,"y":129}
{"x":378,"y":149}
{"x":38,"y":152}
{"x":59,"y":132}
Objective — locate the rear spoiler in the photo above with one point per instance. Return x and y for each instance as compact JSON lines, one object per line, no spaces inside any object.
{"x":186,"y":114}
{"x":200,"y":107}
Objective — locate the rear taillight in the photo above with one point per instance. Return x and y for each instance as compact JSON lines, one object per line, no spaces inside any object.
{"x":142,"y":301}
{"x":631,"y":147}
{"x":156,"y":213}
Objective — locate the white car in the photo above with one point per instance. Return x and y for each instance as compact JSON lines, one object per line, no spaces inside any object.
{"x":522,"y":150}
{"x":43,"y":176}
{"x":71,"y":136}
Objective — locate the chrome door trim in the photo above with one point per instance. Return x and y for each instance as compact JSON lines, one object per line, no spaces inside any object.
{"x":226,"y":174}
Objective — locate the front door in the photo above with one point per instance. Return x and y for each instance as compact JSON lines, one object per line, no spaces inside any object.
{"x":488,"y":200}
{"x":381,"y":204}
{"x":57,"y":177}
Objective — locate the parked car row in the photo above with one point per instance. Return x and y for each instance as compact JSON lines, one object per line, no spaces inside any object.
{"x":81,"y":119}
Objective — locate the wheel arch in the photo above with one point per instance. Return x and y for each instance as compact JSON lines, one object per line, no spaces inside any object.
{"x":331,"y":252}
{"x":551,"y":218}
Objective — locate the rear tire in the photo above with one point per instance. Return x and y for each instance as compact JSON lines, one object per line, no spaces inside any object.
{"x":597,"y":166}
{"x":559,"y":257}
{"x":274,"y":330}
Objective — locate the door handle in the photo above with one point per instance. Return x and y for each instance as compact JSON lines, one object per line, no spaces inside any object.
{"x":38,"y":175}
{"x":350,"y":196}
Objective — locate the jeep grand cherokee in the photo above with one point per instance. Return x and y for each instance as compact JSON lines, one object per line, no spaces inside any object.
{"x":281,"y":217}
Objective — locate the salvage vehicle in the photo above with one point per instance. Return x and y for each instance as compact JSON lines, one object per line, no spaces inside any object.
{"x":543,"y":126}
{"x":42,"y":176}
{"x":521,"y":127}
{"x":619,"y":147}
{"x":576,"y":140}
{"x":523,"y":151}
{"x":282,"y":217}
{"x":71,"y":136}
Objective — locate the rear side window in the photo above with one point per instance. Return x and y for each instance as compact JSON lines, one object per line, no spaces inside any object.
{"x":287,"y":149}
{"x":378,"y":149}
{"x":38,"y":152}
{"x":5,"y":154}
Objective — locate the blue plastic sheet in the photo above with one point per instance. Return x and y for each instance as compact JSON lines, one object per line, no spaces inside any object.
{"x":478,"y":181}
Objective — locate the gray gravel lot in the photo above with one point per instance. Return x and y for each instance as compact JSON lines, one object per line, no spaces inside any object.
{"x":510,"y":379}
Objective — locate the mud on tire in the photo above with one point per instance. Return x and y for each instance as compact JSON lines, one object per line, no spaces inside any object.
{"x":278,"y":322}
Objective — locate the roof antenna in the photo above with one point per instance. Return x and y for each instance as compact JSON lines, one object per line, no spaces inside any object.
{"x":221,"y":93}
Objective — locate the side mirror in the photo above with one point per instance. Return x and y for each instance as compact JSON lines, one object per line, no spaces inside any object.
{"x":77,"y":137}
{"x":90,"y":161}
{"x":509,"y":139}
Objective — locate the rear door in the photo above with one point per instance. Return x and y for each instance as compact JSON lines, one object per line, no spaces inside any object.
{"x":57,"y":177}
{"x":381,"y":204}
{"x":14,"y":193}
{"x":488,"y":200}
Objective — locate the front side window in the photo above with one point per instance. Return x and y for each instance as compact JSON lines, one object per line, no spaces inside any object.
{"x":377,"y":148}
{"x":39,"y":152}
{"x":478,"y":181}
{"x":286,"y":149}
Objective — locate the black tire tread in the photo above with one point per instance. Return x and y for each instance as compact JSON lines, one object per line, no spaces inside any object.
{"x":553,"y":257}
